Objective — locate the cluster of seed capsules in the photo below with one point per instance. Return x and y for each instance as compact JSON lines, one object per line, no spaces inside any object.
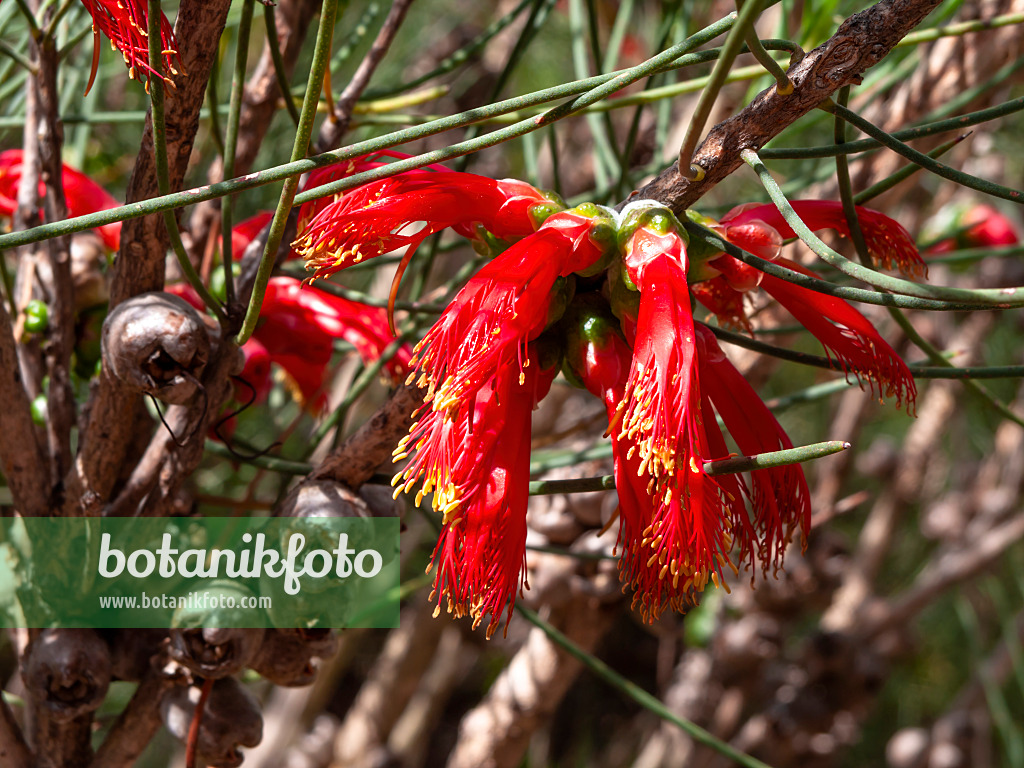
{"x":604,"y":298}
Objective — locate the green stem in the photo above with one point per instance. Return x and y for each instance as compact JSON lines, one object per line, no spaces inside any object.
{"x":730,"y":49}
{"x":156,"y":93}
{"x":944,"y":371}
{"x":30,"y":19}
{"x":270,"y":19}
{"x":575,"y":485}
{"x":846,"y":186}
{"x":8,"y":282}
{"x":783,"y":85}
{"x":672,"y":58}
{"x":636,"y":693}
{"x":456,"y":59}
{"x":821,"y":286}
{"x":231,"y":146}
{"x":939,"y":359}
{"x":963,"y":28}
{"x":939,"y":169}
{"x":907,"y":134}
{"x":321,"y":57}
{"x":721,"y":467}
{"x":775,"y":458}
{"x":902,"y":174}
{"x":272,"y":463}
{"x":18,"y":58}
{"x":1000,"y":298}
{"x":212,"y":112}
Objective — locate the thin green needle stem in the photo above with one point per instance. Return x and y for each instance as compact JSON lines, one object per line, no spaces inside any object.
{"x":939,"y":169}
{"x":17,"y":57}
{"x":963,"y":28}
{"x":846,"y":186}
{"x":270,"y":19}
{"x":728,"y":466}
{"x":902,"y":174}
{"x":730,"y":49}
{"x":669,"y":59}
{"x":939,"y":359}
{"x":156,"y":94}
{"x":907,"y":134}
{"x":849,"y":293}
{"x":783,"y":85}
{"x":213,"y":111}
{"x":1001,"y":298}
{"x":456,"y":59}
{"x":633,"y":691}
{"x":809,"y":395}
{"x":321,"y":58}
{"x":30,"y":19}
{"x":231,"y":145}
{"x":272,"y":463}
{"x":8,"y":283}
{"x":573,"y":485}
{"x":775,"y":458}
{"x":944,"y":371}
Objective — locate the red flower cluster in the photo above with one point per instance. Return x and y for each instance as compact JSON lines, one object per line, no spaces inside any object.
{"x":83,"y":195}
{"x":846,"y":334}
{"x":126,"y":25}
{"x":624,"y":329}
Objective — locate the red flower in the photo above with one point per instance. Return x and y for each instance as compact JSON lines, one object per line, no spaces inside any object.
{"x":781,"y":499}
{"x":125,"y":23}
{"x":846,"y":334}
{"x":505,"y":305}
{"x":889,"y":244}
{"x":83,"y":195}
{"x":478,"y":465}
{"x":688,"y":537}
{"x":376,"y":218}
{"x":342,"y":170}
